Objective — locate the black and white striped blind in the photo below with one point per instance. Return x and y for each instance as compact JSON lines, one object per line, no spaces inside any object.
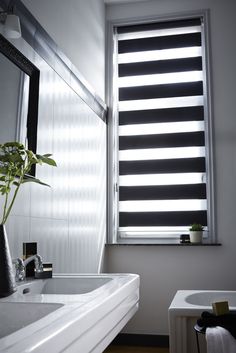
{"x":162,"y":181}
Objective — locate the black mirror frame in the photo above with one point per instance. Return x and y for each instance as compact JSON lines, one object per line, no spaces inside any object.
{"x":16,"y":57}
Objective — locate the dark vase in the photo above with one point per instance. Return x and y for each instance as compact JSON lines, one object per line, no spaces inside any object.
{"x":7,"y":279}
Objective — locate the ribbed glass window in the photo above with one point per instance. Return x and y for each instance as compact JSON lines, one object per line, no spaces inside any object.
{"x":161,"y":128}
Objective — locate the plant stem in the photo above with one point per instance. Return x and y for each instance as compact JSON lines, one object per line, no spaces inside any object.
{"x":14,"y":196}
{"x":10,"y":206}
{"x":6,"y":201}
{"x":4,"y":208}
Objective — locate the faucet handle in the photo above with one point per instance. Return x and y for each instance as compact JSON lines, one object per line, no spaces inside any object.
{"x":38,"y":263}
{"x":20,"y":269}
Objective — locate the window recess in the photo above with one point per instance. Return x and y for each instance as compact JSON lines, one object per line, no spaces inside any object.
{"x":162,"y":130}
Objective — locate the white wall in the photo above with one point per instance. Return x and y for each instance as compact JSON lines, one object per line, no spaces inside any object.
{"x":78,"y":27}
{"x":165,"y":269}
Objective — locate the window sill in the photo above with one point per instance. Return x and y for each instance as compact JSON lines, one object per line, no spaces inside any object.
{"x":165,"y":244}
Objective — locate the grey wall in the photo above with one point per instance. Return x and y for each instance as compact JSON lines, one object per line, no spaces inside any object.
{"x":163,"y":269}
{"x":67,"y":220}
{"x":78,"y":27}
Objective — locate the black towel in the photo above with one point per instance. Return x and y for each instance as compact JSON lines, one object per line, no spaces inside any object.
{"x":227,"y":321}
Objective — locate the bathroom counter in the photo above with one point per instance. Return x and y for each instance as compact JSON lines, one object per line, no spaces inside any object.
{"x":83,"y":322}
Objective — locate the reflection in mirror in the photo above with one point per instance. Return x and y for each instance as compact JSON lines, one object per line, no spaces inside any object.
{"x":14,"y":94}
{"x":19,"y":94}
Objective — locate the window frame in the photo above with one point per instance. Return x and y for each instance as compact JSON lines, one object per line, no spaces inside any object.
{"x":112,"y":142}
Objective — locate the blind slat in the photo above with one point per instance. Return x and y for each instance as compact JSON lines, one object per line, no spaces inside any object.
{"x":159,"y":43}
{"x":195,"y":113}
{"x":162,"y":192}
{"x":161,"y":66}
{"x":172,"y":218}
{"x":161,"y":91}
{"x":185,"y":165}
{"x":159,"y":25}
{"x":183,"y":139}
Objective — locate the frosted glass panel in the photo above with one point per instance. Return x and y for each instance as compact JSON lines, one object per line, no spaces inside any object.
{"x":159,"y":32}
{"x":162,"y":179}
{"x":161,"y":153}
{"x":160,"y":103}
{"x":161,"y":128}
{"x":164,"y":205}
{"x":159,"y":55}
{"x":158,"y":79}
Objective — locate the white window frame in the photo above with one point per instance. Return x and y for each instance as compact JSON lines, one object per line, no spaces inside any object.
{"x":112,"y":99}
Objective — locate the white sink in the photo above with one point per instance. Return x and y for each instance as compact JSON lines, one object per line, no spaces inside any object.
{"x":14,"y":316}
{"x":68,"y":313}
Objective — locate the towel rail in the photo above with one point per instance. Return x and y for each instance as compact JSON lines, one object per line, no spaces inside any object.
{"x":198,"y":330}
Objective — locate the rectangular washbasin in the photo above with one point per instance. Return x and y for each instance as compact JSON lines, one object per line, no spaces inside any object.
{"x":14,"y":315}
{"x":73,"y":286}
{"x":63,"y":285}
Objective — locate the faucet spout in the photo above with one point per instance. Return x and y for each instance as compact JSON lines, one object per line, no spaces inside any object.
{"x":20,"y":266}
{"x":37,"y":262}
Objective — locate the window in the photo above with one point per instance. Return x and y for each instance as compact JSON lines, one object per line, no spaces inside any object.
{"x":162,"y":164}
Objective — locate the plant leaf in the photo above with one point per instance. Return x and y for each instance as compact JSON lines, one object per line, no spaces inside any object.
{"x":30,"y":179}
{"x":44,"y":158}
{"x":47,"y":155}
{"x":13,"y":144}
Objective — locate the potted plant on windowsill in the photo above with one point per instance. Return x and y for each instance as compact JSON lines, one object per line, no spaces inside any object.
{"x":196,"y":233}
{"x":15,"y":164}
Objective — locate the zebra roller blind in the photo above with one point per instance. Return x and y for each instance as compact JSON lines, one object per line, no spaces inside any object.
{"x":162,"y":167}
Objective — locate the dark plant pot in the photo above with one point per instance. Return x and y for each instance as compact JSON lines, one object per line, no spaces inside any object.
{"x":7,"y":279}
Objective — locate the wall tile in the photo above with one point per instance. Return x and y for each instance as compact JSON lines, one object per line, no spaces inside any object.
{"x":18,"y":232}
{"x":87,"y":184}
{"x":52,"y":238}
{"x":61,"y":135}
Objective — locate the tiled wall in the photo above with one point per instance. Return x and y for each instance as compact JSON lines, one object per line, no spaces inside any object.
{"x":67,"y":220}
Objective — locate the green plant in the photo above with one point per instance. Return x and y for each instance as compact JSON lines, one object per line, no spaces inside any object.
{"x":15,"y":162}
{"x":196,"y":227}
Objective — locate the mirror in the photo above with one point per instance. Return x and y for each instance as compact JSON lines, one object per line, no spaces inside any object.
{"x":14,"y":94}
{"x":19,"y":95}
